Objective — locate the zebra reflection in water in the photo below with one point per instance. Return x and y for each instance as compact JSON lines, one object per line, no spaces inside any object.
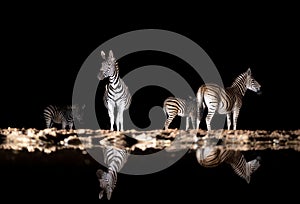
{"x":211,"y":157}
{"x":114,"y":159}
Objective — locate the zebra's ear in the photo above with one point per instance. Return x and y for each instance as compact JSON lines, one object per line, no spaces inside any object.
{"x":111,"y":54}
{"x":103,"y":54}
{"x":249,"y":71}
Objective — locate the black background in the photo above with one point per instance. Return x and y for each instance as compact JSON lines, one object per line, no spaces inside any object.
{"x":42,"y":53}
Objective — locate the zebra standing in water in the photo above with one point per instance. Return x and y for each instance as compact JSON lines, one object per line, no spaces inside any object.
{"x":211,"y":157}
{"x":63,"y":115}
{"x":185,"y":108}
{"x":225,"y":101}
{"x":114,"y":159}
{"x":116,"y":92}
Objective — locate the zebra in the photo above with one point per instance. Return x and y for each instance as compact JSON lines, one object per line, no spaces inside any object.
{"x":63,"y":115}
{"x":173,"y":106}
{"x":210,"y":157}
{"x":114,"y":159}
{"x":116,"y":92}
{"x":225,"y":101}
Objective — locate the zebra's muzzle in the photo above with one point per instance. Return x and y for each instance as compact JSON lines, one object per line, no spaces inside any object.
{"x":259,"y":92}
{"x":100,"y":76}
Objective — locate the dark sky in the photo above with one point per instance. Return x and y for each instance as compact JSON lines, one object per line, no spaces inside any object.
{"x":41,"y":56}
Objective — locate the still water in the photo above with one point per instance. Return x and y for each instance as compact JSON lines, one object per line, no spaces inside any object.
{"x":222,"y":166}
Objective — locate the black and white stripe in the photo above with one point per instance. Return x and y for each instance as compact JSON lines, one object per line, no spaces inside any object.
{"x":63,"y":115}
{"x":116,"y":94}
{"x":114,"y":159}
{"x":225,"y":101}
{"x":185,"y":108}
{"x":211,"y":157}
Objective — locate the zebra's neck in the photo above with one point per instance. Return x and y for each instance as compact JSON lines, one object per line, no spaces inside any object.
{"x":114,"y":79}
{"x":239,"y":84}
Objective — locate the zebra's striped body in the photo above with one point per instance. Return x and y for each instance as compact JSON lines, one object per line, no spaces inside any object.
{"x":211,"y":157}
{"x":63,"y":115}
{"x":114,"y":159}
{"x":225,"y":101}
{"x":116,"y":94}
{"x":176,"y":106}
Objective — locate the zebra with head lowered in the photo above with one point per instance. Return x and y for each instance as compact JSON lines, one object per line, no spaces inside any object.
{"x":185,"y":108}
{"x":116,"y":94}
{"x":225,"y":101}
{"x":114,"y":159}
{"x":63,"y":115}
{"x":211,"y":157}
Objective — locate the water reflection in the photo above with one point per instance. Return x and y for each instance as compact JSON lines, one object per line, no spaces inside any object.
{"x":209,"y":154}
{"x":213,"y":156}
{"x":115,"y":159}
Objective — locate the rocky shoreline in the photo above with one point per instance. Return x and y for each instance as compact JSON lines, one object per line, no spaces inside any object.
{"x":52,"y":139}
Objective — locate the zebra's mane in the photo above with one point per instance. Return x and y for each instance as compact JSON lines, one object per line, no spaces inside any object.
{"x":239,"y":84}
{"x":116,"y":65}
{"x":241,"y":79}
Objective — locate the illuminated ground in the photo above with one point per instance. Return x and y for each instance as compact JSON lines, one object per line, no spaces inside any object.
{"x":49,"y":140}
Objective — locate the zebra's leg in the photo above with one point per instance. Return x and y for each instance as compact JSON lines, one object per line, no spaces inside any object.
{"x":48,"y":123}
{"x":210,"y":114}
{"x":110,"y":108}
{"x":63,"y":125}
{"x":198,"y":123}
{"x":228,"y":121}
{"x":119,"y":120}
{"x":170,"y":118}
{"x":200,"y":113}
{"x":187,"y":123}
{"x":71,"y":125}
{"x":193,"y":119}
{"x":235,"y":117}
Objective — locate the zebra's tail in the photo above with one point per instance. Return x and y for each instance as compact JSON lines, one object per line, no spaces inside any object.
{"x":200,"y":108}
